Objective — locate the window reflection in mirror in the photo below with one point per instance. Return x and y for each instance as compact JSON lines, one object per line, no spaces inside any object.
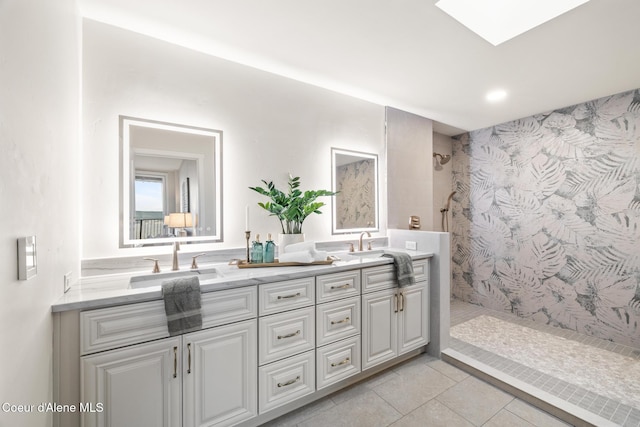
{"x":169,"y":168}
{"x":355,"y":178}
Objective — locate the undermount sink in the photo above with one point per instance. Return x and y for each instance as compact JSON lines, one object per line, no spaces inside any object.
{"x":156,"y":279}
{"x":373,"y":253}
{"x":350,"y":256}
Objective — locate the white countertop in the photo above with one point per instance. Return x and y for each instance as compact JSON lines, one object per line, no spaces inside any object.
{"x":113,"y":289}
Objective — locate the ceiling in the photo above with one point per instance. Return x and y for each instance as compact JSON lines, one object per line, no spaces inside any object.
{"x":407,"y":54}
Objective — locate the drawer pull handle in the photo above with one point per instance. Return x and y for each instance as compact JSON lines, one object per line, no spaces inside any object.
{"x":288,"y":296}
{"x":289,"y":335}
{"x":344,"y":362}
{"x":293,"y":381}
{"x":401,"y":301}
{"x":395,"y":297}
{"x":189,"y":365}
{"x":175,"y":362}
{"x":345,"y":320}
{"x":345,"y":286}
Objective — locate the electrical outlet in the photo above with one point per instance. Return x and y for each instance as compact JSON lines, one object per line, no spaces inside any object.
{"x":412,"y":246}
{"x":67,"y":281}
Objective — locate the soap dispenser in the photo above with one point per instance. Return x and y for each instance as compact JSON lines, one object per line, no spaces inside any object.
{"x":256,"y":251}
{"x":269,"y":250}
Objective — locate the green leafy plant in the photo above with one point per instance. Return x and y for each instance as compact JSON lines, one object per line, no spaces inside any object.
{"x":292,"y":207}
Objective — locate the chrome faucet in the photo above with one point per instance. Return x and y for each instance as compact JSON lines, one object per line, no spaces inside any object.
{"x":176,"y":248}
{"x":360,"y":240}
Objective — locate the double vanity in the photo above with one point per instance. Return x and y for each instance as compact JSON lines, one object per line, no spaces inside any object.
{"x":273,"y":340}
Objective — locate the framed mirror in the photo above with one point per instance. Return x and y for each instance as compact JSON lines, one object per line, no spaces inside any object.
{"x":354,"y":176}
{"x":171,"y":183}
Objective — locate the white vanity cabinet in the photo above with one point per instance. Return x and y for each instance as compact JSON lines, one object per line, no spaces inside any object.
{"x":287,"y":340}
{"x":137,"y":386}
{"x":204,"y":378}
{"x":337,"y":327}
{"x":263,"y":350}
{"x":394,"y":320}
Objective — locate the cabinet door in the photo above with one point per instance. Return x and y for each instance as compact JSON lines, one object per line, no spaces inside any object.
{"x":220,"y":375}
{"x":379,"y":327}
{"x":413,"y":317}
{"x":136,"y":386}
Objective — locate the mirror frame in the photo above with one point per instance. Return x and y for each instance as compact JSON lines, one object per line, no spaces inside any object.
{"x":126,"y":158}
{"x":334,"y":183}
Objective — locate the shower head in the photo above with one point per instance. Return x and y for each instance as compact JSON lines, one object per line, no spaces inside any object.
{"x":443,"y":159}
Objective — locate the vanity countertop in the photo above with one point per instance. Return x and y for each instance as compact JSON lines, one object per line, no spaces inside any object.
{"x":113,"y":289}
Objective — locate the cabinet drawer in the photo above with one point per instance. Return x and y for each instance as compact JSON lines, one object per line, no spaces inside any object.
{"x":282,"y":296}
{"x":337,"y":320}
{"x":285,"y":381}
{"x":338,"y":361}
{"x":384,"y":276}
{"x":376,"y":278}
{"x":421,"y":270}
{"x":337,"y":285}
{"x":113,"y":327}
{"x":285,"y":334}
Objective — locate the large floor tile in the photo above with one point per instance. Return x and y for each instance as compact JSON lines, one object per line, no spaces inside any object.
{"x":299,"y":415}
{"x":365,"y":410}
{"x":505,"y":418}
{"x":534,"y":415}
{"x":432,"y":414}
{"x":475,"y":400}
{"x":449,"y":370}
{"x":414,"y":386}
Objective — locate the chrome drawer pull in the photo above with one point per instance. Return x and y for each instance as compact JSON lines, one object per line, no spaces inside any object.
{"x":345,"y":286}
{"x":345,"y":320}
{"x":344,"y":362}
{"x":289,"y":382}
{"x":289,"y":335}
{"x":289,"y":296}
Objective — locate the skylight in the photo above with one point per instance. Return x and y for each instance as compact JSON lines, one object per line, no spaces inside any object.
{"x":500,"y":20}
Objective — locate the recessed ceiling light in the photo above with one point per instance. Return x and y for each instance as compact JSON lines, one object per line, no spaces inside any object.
{"x":496,"y":95}
{"x":500,"y":20}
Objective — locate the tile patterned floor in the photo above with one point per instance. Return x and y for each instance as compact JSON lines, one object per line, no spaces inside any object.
{"x":426,"y":391}
{"x":593,"y":396}
{"x":423,"y":391}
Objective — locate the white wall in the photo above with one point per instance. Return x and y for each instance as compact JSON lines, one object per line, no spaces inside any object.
{"x":39,"y":176}
{"x":272,"y":126}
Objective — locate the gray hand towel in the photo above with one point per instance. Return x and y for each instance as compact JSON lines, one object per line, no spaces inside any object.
{"x":182,"y":303}
{"x":404,"y":268}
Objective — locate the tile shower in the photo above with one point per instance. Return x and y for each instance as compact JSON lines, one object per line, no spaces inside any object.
{"x":546,"y":218}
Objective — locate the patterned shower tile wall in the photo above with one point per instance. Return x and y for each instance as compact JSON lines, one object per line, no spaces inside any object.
{"x":546,"y":218}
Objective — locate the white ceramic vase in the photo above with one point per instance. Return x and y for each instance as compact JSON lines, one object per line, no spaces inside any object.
{"x":285,"y":240}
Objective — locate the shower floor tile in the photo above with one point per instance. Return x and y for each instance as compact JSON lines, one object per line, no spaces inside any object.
{"x":601,"y":378}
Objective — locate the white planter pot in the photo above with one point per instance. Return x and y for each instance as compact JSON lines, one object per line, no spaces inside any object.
{"x":289,"y":239}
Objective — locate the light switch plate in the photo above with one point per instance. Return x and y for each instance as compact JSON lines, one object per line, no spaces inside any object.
{"x":67,"y":282}
{"x":27,"y":260}
{"x":412,"y":246}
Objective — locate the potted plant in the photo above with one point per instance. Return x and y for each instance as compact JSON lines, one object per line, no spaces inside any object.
{"x":291,"y":207}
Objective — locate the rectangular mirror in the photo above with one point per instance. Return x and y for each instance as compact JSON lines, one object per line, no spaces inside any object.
{"x":354,"y":176}
{"x":171,"y":183}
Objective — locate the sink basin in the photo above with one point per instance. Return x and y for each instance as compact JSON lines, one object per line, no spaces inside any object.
{"x":352,"y":256}
{"x":373,"y":253}
{"x":156,"y":279}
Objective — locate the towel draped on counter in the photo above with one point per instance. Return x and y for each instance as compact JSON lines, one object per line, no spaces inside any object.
{"x":403,"y":266}
{"x":182,"y":304}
